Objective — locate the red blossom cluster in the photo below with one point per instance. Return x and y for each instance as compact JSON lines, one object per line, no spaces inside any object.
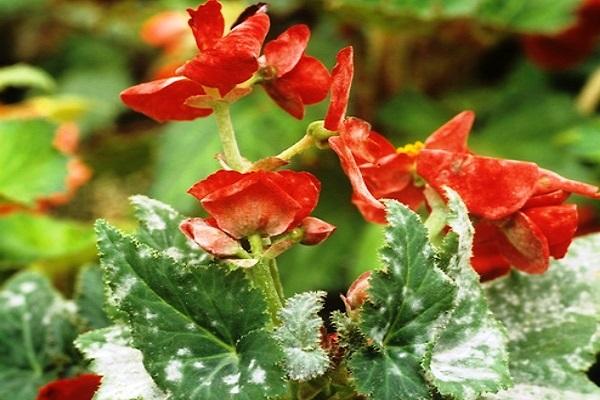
{"x":517,"y":207}
{"x":228,"y":64}
{"x":570,"y":46}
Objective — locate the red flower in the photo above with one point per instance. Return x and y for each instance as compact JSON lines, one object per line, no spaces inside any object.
{"x":262,"y":202}
{"x":225,"y":61}
{"x":375,"y":168}
{"x":81,"y":387}
{"x":570,"y":46}
{"x":520,"y":218}
{"x":290,"y":77}
{"x":222,"y":63}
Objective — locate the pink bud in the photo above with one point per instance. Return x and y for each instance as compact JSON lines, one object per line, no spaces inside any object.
{"x":315,"y":230}
{"x":210,"y":238}
{"x":357,"y":293}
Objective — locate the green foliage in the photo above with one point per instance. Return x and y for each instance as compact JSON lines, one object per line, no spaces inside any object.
{"x":514,"y":15}
{"x":27,"y":76}
{"x":552,"y":323}
{"x":26,"y":238}
{"x":36,"y":334}
{"x":89,"y":297}
{"x":469,"y":355}
{"x":120,"y":365}
{"x":159,"y":229}
{"x":300,"y":336}
{"x":202,"y":331}
{"x":31,"y":166}
{"x":406,"y":302}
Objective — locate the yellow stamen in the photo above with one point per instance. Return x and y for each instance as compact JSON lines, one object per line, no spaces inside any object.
{"x":411,"y":149}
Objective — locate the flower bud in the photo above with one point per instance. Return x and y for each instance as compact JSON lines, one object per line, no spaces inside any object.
{"x":315,"y":230}
{"x":357,"y":293}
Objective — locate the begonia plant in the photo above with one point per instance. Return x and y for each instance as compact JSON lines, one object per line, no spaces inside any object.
{"x":482,"y":292}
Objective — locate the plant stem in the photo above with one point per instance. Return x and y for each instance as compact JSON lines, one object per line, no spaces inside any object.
{"x":231,"y":150}
{"x":436,"y":221}
{"x":276,"y":279}
{"x":260,"y":274}
{"x":300,"y":146}
{"x":589,"y":97}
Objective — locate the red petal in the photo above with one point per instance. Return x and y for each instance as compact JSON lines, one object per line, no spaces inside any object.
{"x":453,"y":135}
{"x":525,"y":245}
{"x":371,"y":209}
{"x":211,"y":239}
{"x":164,"y":29}
{"x":487,"y":259}
{"x":207,"y":24}
{"x":550,"y":181}
{"x":233,"y":59}
{"x":316,"y":230}
{"x":164,"y":100}
{"x":288,"y":100}
{"x":547,"y":199}
{"x":303,"y":187}
{"x":253,"y":204}
{"x":490,"y":187}
{"x":214,"y":182}
{"x":355,"y":133}
{"x":341,"y":80}
{"x":285,"y":52}
{"x":388,"y":175}
{"x":307,"y":83}
{"x":558,"y":224}
{"x":411,"y":195}
{"x":81,"y":387}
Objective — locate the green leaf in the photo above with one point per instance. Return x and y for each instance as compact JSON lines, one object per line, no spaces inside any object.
{"x":201,"y":330}
{"x":159,"y":229}
{"x":31,"y":166}
{"x":300,"y":336}
{"x":120,"y":365}
{"x":26,"y":238}
{"x":89,"y":297}
{"x":517,"y":15}
{"x":26,"y":75}
{"x":406,"y":301}
{"x":469,"y":356}
{"x":553,"y":326}
{"x":36,"y":334}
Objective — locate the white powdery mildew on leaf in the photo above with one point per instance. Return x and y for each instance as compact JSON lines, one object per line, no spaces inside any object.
{"x":300,"y":336}
{"x":175,"y":253}
{"x":469,"y":355}
{"x":173,"y":371}
{"x":150,"y":209}
{"x":123,"y":374}
{"x":553,"y":326}
{"x":123,"y":289}
{"x":533,"y":392}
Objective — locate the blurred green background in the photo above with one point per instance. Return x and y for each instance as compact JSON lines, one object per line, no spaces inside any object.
{"x":418,"y":63}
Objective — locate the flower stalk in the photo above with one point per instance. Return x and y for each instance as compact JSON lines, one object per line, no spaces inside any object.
{"x":231,"y":150}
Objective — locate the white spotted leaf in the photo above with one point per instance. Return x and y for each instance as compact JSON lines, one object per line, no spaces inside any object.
{"x":159,"y":229}
{"x":469,"y":354}
{"x":300,"y":336}
{"x":36,"y":335}
{"x":202,"y":331}
{"x":553,"y":325}
{"x":120,"y":365}
{"x":406,"y":301}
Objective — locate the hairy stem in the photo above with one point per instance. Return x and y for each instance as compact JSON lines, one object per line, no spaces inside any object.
{"x":260,"y":274}
{"x":231,"y":151}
